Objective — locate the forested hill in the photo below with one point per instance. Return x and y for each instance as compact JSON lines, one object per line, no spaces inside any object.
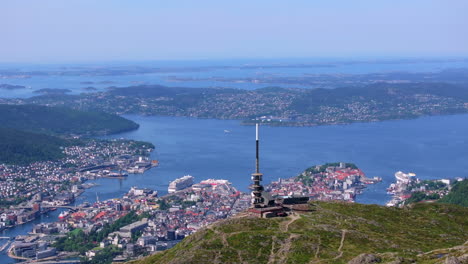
{"x":333,"y":232}
{"x":21,"y":148}
{"x":458,"y":195}
{"x":277,"y":106}
{"x":62,"y":120}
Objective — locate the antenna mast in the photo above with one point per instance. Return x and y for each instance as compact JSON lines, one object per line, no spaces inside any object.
{"x":256,"y":187}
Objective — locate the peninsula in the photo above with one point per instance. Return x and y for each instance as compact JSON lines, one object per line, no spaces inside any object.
{"x":274,"y":105}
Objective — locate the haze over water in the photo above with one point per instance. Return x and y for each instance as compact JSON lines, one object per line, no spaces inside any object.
{"x":202,"y":70}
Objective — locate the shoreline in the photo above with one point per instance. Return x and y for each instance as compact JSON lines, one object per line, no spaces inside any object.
{"x":243,"y":122}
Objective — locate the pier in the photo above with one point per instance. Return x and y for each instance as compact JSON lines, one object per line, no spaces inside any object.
{"x":4,"y":246}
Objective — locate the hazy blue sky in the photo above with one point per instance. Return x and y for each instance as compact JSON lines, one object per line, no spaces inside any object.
{"x":93,"y":30}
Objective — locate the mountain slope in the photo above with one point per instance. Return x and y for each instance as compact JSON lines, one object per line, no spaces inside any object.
{"x":60,"y":120}
{"x":458,"y":195}
{"x":21,"y":148}
{"x":332,"y":233}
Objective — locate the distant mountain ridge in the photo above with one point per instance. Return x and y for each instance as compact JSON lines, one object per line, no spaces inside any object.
{"x":31,"y":133}
{"x":62,"y":120}
{"x":274,"y":105}
{"x":21,"y":148}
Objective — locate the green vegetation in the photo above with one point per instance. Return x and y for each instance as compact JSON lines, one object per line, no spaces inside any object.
{"x":61,"y":120}
{"x":104,"y":256}
{"x":142,"y":146}
{"x":421,"y":196}
{"x":281,"y":106}
{"x":14,"y":201}
{"x":458,"y":195}
{"x":163,"y":205}
{"x":333,"y":232}
{"x":21,"y":148}
{"x":186,"y":204}
{"x":79,"y":241}
{"x":28,"y":133}
{"x":431,"y":185}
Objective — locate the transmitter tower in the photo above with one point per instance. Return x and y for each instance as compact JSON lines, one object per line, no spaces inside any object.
{"x":256,"y":187}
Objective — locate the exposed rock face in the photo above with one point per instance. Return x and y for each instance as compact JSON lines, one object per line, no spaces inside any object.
{"x":365,"y":259}
{"x":452,"y":260}
{"x":463,"y":259}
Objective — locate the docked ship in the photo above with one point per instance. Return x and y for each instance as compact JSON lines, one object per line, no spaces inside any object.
{"x":117,"y":175}
{"x":404,"y":177}
{"x":399,"y":190}
{"x":142,"y":165}
{"x":180,"y":184}
{"x":63,"y":215}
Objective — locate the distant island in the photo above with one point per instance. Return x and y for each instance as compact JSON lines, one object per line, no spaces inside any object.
{"x":52,"y":91}
{"x":90,"y":88}
{"x":336,"y":80}
{"x":11,"y":87}
{"x":274,"y":105}
{"x":106,"y":82}
{"x":123,"y":70}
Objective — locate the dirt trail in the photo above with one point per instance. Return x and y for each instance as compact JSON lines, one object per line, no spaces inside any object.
{"x":281,"y":254}
{"x":343,"y":235}
{"x":285,"y":226}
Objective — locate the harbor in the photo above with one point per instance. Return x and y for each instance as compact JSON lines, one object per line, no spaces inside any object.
{"x":204,"y":155}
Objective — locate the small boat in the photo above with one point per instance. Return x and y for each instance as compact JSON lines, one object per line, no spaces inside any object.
{"x":226,"y":131}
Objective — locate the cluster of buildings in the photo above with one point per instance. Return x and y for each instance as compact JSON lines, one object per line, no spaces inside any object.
{"x":187,"y":208}
{"x":167,"y":219}
{"x":34,"y":247}
{"x":408,"y":184}
{"x":26,"y":191}
{"x":326,"y":182}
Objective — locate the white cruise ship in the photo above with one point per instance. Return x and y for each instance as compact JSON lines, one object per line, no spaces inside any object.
{"x":404,"y":177}
{"x":180,"y":183}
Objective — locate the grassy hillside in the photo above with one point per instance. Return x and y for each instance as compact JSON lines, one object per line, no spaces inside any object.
{"x":21,"y":148}
{"x":60,"y":120}
{"x":458,"y":194}
{"x":332,"y":233}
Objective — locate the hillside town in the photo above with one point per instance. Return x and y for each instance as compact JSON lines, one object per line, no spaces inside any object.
{"x":331,"y":181}
{"x":410,"y":189}
{"x":152,"y":223}
{"x":25,"y":189}
{"x":142,"y":223}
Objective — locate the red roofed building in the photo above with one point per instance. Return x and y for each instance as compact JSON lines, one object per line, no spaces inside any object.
{"x":78,"y":215}
{"x":99,"y":216}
